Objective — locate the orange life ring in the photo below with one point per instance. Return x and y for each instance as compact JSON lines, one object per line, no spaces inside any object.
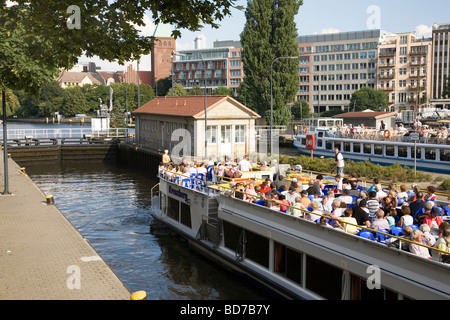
{"x":305,"y":129}
{"x":387,"y":134}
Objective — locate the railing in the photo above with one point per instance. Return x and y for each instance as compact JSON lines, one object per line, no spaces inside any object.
{"x":66,"y":133}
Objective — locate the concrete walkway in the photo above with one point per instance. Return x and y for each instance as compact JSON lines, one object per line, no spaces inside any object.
{"x":42,"y":255}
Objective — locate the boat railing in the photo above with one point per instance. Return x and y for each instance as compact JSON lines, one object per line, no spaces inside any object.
{"x":394,"y":135}
{"x":380,"y":237}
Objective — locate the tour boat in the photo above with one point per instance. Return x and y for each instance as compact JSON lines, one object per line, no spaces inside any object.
{"x":292,"y":257}
{"x":424,"y":150}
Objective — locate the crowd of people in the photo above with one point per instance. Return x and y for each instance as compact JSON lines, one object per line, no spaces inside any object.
{"x":427,"y":132}
{"x":343,"y":204}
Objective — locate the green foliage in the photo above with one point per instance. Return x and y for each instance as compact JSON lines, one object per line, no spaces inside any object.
{"x":368,"y":98}
{"x":197,"y":91}
{"x":446,"y":91}
{"x":11,"y":102}
{"x":300,"y":110}
{"x":445,"y":185}
{"x":269,"y":36}
{"x":178,"y":91}
{"x":38,"y":38}
{"x":222,"y":91}
{"x":74,"y":102}
{"x":364,"y":169}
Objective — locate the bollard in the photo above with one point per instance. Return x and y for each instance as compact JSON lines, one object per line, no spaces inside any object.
{"x":139,"y":295}
{"x":50,"y":199}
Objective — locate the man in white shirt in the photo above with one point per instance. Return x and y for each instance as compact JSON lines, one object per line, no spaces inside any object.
{"x":380,"y":193}
{"x":245,"y":165}
{"x":346,"y":197}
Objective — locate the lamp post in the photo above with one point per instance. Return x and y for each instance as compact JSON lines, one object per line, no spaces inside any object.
{"x":206,"y":123}
{"x":271,"y":97}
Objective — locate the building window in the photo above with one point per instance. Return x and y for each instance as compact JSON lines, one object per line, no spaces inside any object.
{"x":239,"y":134}
{"x":225,"y":134}
{"x":211,"y":134}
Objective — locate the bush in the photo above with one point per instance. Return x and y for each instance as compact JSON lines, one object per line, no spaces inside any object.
{"x":445,"y":185}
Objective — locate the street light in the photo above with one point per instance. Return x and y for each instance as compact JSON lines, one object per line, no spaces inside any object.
{"x":271,"y":97}
{"x":206,"y":126}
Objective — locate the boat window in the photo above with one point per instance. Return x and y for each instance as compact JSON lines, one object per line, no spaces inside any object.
{"x":445,"y":155}
{"x":320,"y":134}
{"x":418,"y":153}
{"x":378,"y":149}
{"x":186,"y":215}
{"x":288,"y":262}
{"x":347,"y":146}
{"x":256,"y":247}
{"x":329,"y":145}
{"x":390,"y":151}
{"x":329,"y":287}
{"x":365,"y":293}
{"x":430,"y":153}
{"x":357,"y":147}
{"x":303,"y":143}
{"x":320,"y":143}
{"x":330,"y":123}
{"x":173,"y":208}
{"x":367,"y":147}
{"x":403,"y":152}
{"x":322,"y":123}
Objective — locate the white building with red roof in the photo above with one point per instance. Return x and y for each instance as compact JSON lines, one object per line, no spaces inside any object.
{"x":177,"y":124}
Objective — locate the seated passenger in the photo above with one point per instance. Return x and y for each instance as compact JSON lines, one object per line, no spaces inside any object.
{"x":349,"y":228}
{"x":416,"y":248}
{"x":380,"y":222}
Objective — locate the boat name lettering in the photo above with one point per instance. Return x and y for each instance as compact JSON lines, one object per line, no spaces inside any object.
{"x":179,"y":193}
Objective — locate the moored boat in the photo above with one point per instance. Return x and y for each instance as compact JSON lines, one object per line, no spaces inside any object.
{"x":425,"y":150}
{"x":292,"y":257}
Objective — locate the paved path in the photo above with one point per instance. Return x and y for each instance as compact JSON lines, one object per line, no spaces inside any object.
{"x":42,"y":255}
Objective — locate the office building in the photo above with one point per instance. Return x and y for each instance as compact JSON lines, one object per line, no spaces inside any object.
{"x":333,"y":66}
{"x":441,"y":64}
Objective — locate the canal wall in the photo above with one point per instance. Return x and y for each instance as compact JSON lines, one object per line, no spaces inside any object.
{"x":121,"y":152}
{"x":58,"y":153}
{"x":139,"y":158}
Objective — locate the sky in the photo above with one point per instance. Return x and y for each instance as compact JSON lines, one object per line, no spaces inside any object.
{"x":320,"y":16}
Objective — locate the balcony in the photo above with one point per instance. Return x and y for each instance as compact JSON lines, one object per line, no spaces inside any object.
{"x":387,"y":53}
{"x":387,"y":88}
{"x":387,"y":76}
{"x":414,"y":52}
{"x":417,"y":75}
{"x":387,"y":65}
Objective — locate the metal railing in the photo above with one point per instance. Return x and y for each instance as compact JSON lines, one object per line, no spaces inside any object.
{"x":66,"y":133}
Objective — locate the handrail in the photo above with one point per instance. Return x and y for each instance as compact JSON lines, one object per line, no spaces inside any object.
{"x":349,"y":223}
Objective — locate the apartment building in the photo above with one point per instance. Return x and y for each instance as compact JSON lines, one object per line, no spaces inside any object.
{"x":404,"y":65}
{"x":333,"y":66}
{"x":220,"y":66}
{"x":440,"y":63}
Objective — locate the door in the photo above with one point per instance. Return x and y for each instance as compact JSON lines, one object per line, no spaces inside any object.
{"x":225,"y":140}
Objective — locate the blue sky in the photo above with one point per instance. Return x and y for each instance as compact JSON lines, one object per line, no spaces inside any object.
{"x":325,"y":16}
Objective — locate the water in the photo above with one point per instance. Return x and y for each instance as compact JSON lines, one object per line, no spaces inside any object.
{"x":109,"y":204}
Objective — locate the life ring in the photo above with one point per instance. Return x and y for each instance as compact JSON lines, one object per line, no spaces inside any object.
{"x":305,"y":129}
{"x":387,"y":134}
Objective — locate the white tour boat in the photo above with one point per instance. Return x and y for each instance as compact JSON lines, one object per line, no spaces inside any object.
{"x":292,"y":257}
{"x":426,"y":151}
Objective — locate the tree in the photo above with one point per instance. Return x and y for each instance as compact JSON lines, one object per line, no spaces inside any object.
{"x":178,"y":91}
{"x":74,"y":102}
{"x":222,"y":91}
{"x":12,"y":103}
{"x":269,"y":34}
{"x":197,"y":91}
{"x":446,"y":91}
{"x":368,"y":98}
{"x":301,"y":109}
{"x":40,"y":37}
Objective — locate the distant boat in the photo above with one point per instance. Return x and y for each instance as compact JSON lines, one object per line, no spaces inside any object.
{"x":368,"y":144}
